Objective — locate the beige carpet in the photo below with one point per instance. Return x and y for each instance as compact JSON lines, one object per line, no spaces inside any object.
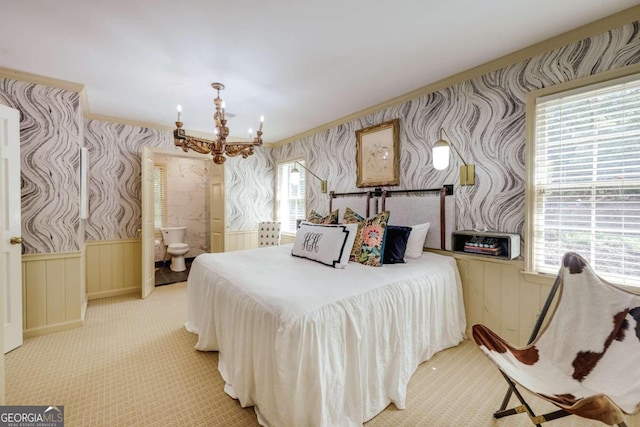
{"x":133,"y":364}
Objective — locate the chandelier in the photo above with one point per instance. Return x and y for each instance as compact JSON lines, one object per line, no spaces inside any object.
{"x":218,"y":147}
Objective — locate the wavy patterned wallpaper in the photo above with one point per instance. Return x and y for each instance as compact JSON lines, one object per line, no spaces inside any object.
{"x":50,"y":141}
{"x":485,"y":118}
{"x":115,"y":189}
{"x":249,"y":190}
{"x":115,"y":184}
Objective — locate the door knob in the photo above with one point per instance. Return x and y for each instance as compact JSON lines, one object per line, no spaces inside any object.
{"x":15,"y":240}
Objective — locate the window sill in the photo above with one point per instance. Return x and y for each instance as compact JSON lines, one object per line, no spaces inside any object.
{"x":539,"y":278}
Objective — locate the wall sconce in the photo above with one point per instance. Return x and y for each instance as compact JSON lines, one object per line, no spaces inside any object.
{"x":441,"y":160}
{"x":295,"y":175}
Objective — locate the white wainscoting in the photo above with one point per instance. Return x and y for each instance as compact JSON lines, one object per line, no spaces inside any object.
{"x":287,"y":238}
{"x":114,"y":267}
{"x":498,"y":295}
{"x":241,"y":239}
{"x":54,"y":293}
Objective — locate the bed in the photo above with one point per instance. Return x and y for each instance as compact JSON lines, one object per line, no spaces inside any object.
{"x":309,"y":345}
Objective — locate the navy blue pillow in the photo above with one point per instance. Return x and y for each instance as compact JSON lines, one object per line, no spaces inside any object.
{"x":396,"y":244}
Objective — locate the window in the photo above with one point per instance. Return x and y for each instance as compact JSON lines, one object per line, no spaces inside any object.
{"x":290,"y":195}
{"x":586,"y":179}
{"x":160,"y":194}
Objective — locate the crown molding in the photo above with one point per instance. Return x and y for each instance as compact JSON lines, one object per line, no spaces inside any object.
{"x":26,"y":77}
{"x":594,"y":28}
{"x":119,"y":120}
{"x":84,"y":102}
{"x":23,"y":76}
{"x":196,"y":133}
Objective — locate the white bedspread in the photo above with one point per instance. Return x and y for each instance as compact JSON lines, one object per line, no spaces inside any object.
{"x":310,"y":345}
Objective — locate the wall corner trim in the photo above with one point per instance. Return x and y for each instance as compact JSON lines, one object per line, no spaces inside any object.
{"x":23,"y":76}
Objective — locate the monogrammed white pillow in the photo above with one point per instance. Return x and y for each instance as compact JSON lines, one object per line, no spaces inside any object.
{"x":324,"y":243}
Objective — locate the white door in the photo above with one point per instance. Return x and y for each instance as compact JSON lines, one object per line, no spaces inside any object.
{"x":10,"y":233}
{"x":216,"y":187}
{"x":148,"y":219}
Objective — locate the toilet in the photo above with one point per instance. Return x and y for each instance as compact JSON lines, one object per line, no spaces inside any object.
{"x":174,"y":241}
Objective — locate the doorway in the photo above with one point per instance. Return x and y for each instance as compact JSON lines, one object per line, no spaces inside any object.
{"x":194,"y":199}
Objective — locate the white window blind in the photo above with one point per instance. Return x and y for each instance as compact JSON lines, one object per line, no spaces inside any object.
{"x":290,"y":195}
{"x":160,"y":193}
{"x":587,"y":179}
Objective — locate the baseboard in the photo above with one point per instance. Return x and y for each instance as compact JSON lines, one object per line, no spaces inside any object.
{"x":50,"y":329}
{"x":113,"y":293}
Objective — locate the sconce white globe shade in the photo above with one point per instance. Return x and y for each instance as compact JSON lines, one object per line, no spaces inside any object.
{"x":440,"y":155}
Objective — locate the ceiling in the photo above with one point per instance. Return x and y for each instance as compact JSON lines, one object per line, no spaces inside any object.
{"x":300,"y":63}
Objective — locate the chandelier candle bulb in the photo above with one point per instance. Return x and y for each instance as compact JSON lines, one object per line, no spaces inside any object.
{"x":219,"y":148}
{"x":179,"y":111}
{"x":261,"y":122}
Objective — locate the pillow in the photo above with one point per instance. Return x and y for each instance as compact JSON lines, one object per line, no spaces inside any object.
{"x":326,"y":244}
{"x":373,"y":232}
{"x":396,"y":244}
{"x":415,"y":244}
{"x":316,"y":218}
{"x":350,"y":217}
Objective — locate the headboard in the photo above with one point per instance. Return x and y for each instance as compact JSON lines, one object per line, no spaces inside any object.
{"x":364,"y":203}
{"x":436,"y":206}
{"x":407,"y":207}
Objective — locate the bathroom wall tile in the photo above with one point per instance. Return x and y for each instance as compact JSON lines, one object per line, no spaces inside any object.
{"x":186,"y":199}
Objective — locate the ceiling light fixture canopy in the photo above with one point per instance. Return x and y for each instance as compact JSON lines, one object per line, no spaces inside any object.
{"x":440,"y":154}
{"x":218,"y":147}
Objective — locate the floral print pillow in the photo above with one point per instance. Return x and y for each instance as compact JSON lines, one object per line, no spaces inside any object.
{"x":315,"y":218}
{"x":370,"y":237}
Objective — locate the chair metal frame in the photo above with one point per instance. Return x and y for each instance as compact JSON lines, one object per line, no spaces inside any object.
{"x":524,"y":406}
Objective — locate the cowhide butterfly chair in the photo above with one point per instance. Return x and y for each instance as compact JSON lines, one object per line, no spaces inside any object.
{"x":585,"y":359}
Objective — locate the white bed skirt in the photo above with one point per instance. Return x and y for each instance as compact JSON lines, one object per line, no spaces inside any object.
{"x":309,"y":345}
